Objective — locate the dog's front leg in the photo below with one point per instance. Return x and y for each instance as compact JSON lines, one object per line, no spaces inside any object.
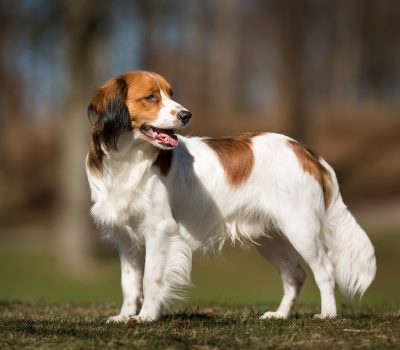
{"x":154,"y":274}
{"x":132,"y":266}
{"x":167,"y":266}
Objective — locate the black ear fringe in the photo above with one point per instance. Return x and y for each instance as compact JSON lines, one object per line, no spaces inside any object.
{"x":114,"y":119}
{"x":96,"y":154}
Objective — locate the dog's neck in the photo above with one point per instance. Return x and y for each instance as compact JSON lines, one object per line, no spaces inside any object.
{"x":127,"y":166}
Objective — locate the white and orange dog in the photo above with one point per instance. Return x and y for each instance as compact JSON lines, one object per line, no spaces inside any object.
{"x":161,"y":196}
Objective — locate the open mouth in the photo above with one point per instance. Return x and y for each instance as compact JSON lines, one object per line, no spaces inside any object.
{"x":163,"y":137}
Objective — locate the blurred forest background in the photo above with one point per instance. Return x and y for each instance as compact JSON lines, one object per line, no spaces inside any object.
{"x":323,"y":71}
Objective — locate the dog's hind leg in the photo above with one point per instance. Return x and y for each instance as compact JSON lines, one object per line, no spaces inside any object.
{"x":303,"y":232}
{"x":278,"y":251}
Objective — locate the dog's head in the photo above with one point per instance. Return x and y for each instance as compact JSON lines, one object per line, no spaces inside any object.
{"x":138,"y":102}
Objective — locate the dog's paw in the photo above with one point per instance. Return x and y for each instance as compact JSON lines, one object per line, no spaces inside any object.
{"x":119,"y":319}
{"x":273,"y":314}
{"x":139,"y":319}
{"x":324,"y":316}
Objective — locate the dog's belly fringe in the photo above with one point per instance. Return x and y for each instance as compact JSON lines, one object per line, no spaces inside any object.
{"x":239,"y":229}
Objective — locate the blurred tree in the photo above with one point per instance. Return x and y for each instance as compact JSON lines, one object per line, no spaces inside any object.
{"x":75,"y":244}
{"x":193,"y":32}
{"x":377,"y":36}
{"x":347,"y":51}
{"x":291,"y":33}
{"x":3,"y":20}
{"x":223,"y":56}
{"x":12,"y":155}
{"x":148,"y":20}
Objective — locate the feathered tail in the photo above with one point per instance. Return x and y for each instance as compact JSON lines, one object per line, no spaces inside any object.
{"x":349,"y":249}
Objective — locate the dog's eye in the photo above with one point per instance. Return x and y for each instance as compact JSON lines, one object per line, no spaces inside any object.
{"x":171,"y":93}
{"x":151,"y":98}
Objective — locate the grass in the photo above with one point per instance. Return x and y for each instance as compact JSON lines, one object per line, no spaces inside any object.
{"x":56,"y":311}
{"x":66,"y":326}
{"x":236,"y":277}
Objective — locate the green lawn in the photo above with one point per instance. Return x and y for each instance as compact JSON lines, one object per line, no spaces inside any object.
{"x":236,"y":276}
{"x":82,"y":326}
{"x":40,"y":307}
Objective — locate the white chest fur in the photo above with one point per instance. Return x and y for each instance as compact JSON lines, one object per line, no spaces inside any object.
{"x":118,"y":192}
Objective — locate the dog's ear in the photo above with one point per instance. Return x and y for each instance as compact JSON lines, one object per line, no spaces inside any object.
{"x":109,"y":114}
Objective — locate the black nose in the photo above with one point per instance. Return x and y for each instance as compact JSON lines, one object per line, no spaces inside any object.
{"x":184,"y":116}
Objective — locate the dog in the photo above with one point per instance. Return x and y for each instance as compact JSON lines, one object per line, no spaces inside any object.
{"x":161,"y":196}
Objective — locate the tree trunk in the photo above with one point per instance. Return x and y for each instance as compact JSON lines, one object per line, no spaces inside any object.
{"x":74,"y":240}
{"x":12,"y":157}
{"x":291,"y":42}
{"x":193,"y":45}
{"x":346,"y":56}
{"x":223,"y":57}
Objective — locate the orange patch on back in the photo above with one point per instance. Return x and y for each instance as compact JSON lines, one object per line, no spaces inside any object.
{"x":235,"y":155}
{"x":309,"y":161}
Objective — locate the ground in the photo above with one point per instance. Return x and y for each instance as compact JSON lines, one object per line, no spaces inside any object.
{"x":66,"y":326}
{"x":42,"y":307}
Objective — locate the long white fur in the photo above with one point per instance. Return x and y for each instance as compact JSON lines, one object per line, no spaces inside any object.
{"x":157,"y":221}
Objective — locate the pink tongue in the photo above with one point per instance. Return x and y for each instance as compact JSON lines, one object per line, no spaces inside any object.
{"x":166,"y":137}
